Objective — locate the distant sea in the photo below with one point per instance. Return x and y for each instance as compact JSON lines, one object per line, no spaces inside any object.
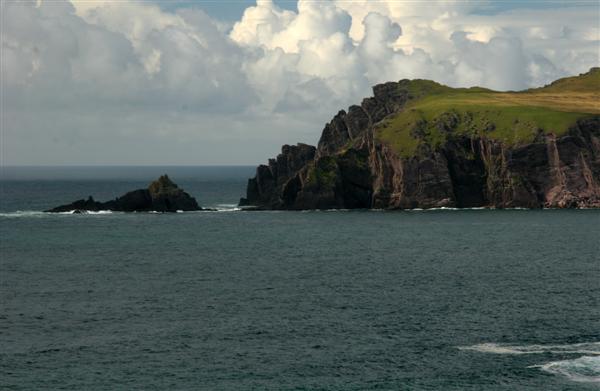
{"x":323,"y":300}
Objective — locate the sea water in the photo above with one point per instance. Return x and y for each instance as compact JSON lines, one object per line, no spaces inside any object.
{"x":323,"y":300}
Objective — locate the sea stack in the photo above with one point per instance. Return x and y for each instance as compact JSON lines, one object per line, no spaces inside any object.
{"x":163,"y":195}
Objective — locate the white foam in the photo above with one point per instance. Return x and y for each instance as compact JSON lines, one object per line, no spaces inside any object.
{"x":226,"y":208}
{"x":584,"y":369}
{"x":23,"y":213}
{"x":37,"y":213}
{"x":80,"y":212}
{"x":577,"y":348}
{"x":445,"y":208}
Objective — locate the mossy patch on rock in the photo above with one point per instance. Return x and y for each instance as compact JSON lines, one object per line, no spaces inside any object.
{"x":323,"y":174}
{"x":162,"y":185}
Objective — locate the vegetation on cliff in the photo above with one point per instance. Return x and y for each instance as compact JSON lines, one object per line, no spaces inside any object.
{"x":434,"y":111}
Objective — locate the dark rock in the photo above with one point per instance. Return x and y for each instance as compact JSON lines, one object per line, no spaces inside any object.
{"x":266,"y":188}
{"x":419,"y":130}
{"x":79,"y":206}
{"x":162,"y":196}
{"x":447,"y":122}
{"x":167,"y":197}
{"x":335,"y":135}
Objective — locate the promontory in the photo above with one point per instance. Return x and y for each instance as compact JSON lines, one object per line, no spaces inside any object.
{"x":420,"y":144}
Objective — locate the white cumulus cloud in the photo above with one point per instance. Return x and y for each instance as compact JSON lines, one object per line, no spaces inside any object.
{"x":97,"y":82}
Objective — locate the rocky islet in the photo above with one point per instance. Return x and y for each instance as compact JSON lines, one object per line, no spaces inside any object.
{"x":163,"y":195}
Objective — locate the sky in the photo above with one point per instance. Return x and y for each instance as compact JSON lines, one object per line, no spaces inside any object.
{"x":86,"y":82}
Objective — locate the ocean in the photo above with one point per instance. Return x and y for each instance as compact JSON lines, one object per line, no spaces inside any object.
{"x":321,"y":300}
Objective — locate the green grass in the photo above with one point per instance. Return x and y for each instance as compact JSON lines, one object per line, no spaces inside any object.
{"x":436,"y":112}
{"x":589,"y":82}
{"x":323,"y":174}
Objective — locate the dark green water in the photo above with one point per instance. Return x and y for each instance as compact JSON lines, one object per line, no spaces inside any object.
{"x":418,"y":300}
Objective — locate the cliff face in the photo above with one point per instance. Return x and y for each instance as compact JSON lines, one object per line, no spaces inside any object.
{"x":550,"y":172}
{"x":354,"y":166}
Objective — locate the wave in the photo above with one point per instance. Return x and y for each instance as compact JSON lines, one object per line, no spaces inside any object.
{"x":23,"y":213}
{"x":226,"y":207}
{"x":37,"y":213}
{"x":577,"y":348}
{"x":235,"y":208}
{"x":460,"y":209}
{"x":325,"y":210}
{"x":582,"y":369}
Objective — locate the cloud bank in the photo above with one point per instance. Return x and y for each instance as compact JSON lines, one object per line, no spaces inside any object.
{"x":104,"y":82}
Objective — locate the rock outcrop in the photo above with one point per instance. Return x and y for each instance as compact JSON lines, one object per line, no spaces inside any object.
{"x":352,"y":168}
{"x":161,"y":196}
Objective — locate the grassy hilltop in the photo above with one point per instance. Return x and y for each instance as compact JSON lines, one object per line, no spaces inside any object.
{"x":434,"y":111}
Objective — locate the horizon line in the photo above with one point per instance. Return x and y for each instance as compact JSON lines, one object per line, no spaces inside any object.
{"x":124,"y":165}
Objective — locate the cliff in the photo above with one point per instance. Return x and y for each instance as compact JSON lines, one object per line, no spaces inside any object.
{"x":161,"y":196}
{"x":419,"y":144}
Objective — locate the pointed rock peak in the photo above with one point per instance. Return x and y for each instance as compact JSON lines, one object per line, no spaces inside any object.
{"x":162,"y":196}
{"x":162,"y":185}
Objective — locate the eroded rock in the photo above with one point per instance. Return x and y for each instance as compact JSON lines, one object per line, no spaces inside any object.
{"x":161,"y":196}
